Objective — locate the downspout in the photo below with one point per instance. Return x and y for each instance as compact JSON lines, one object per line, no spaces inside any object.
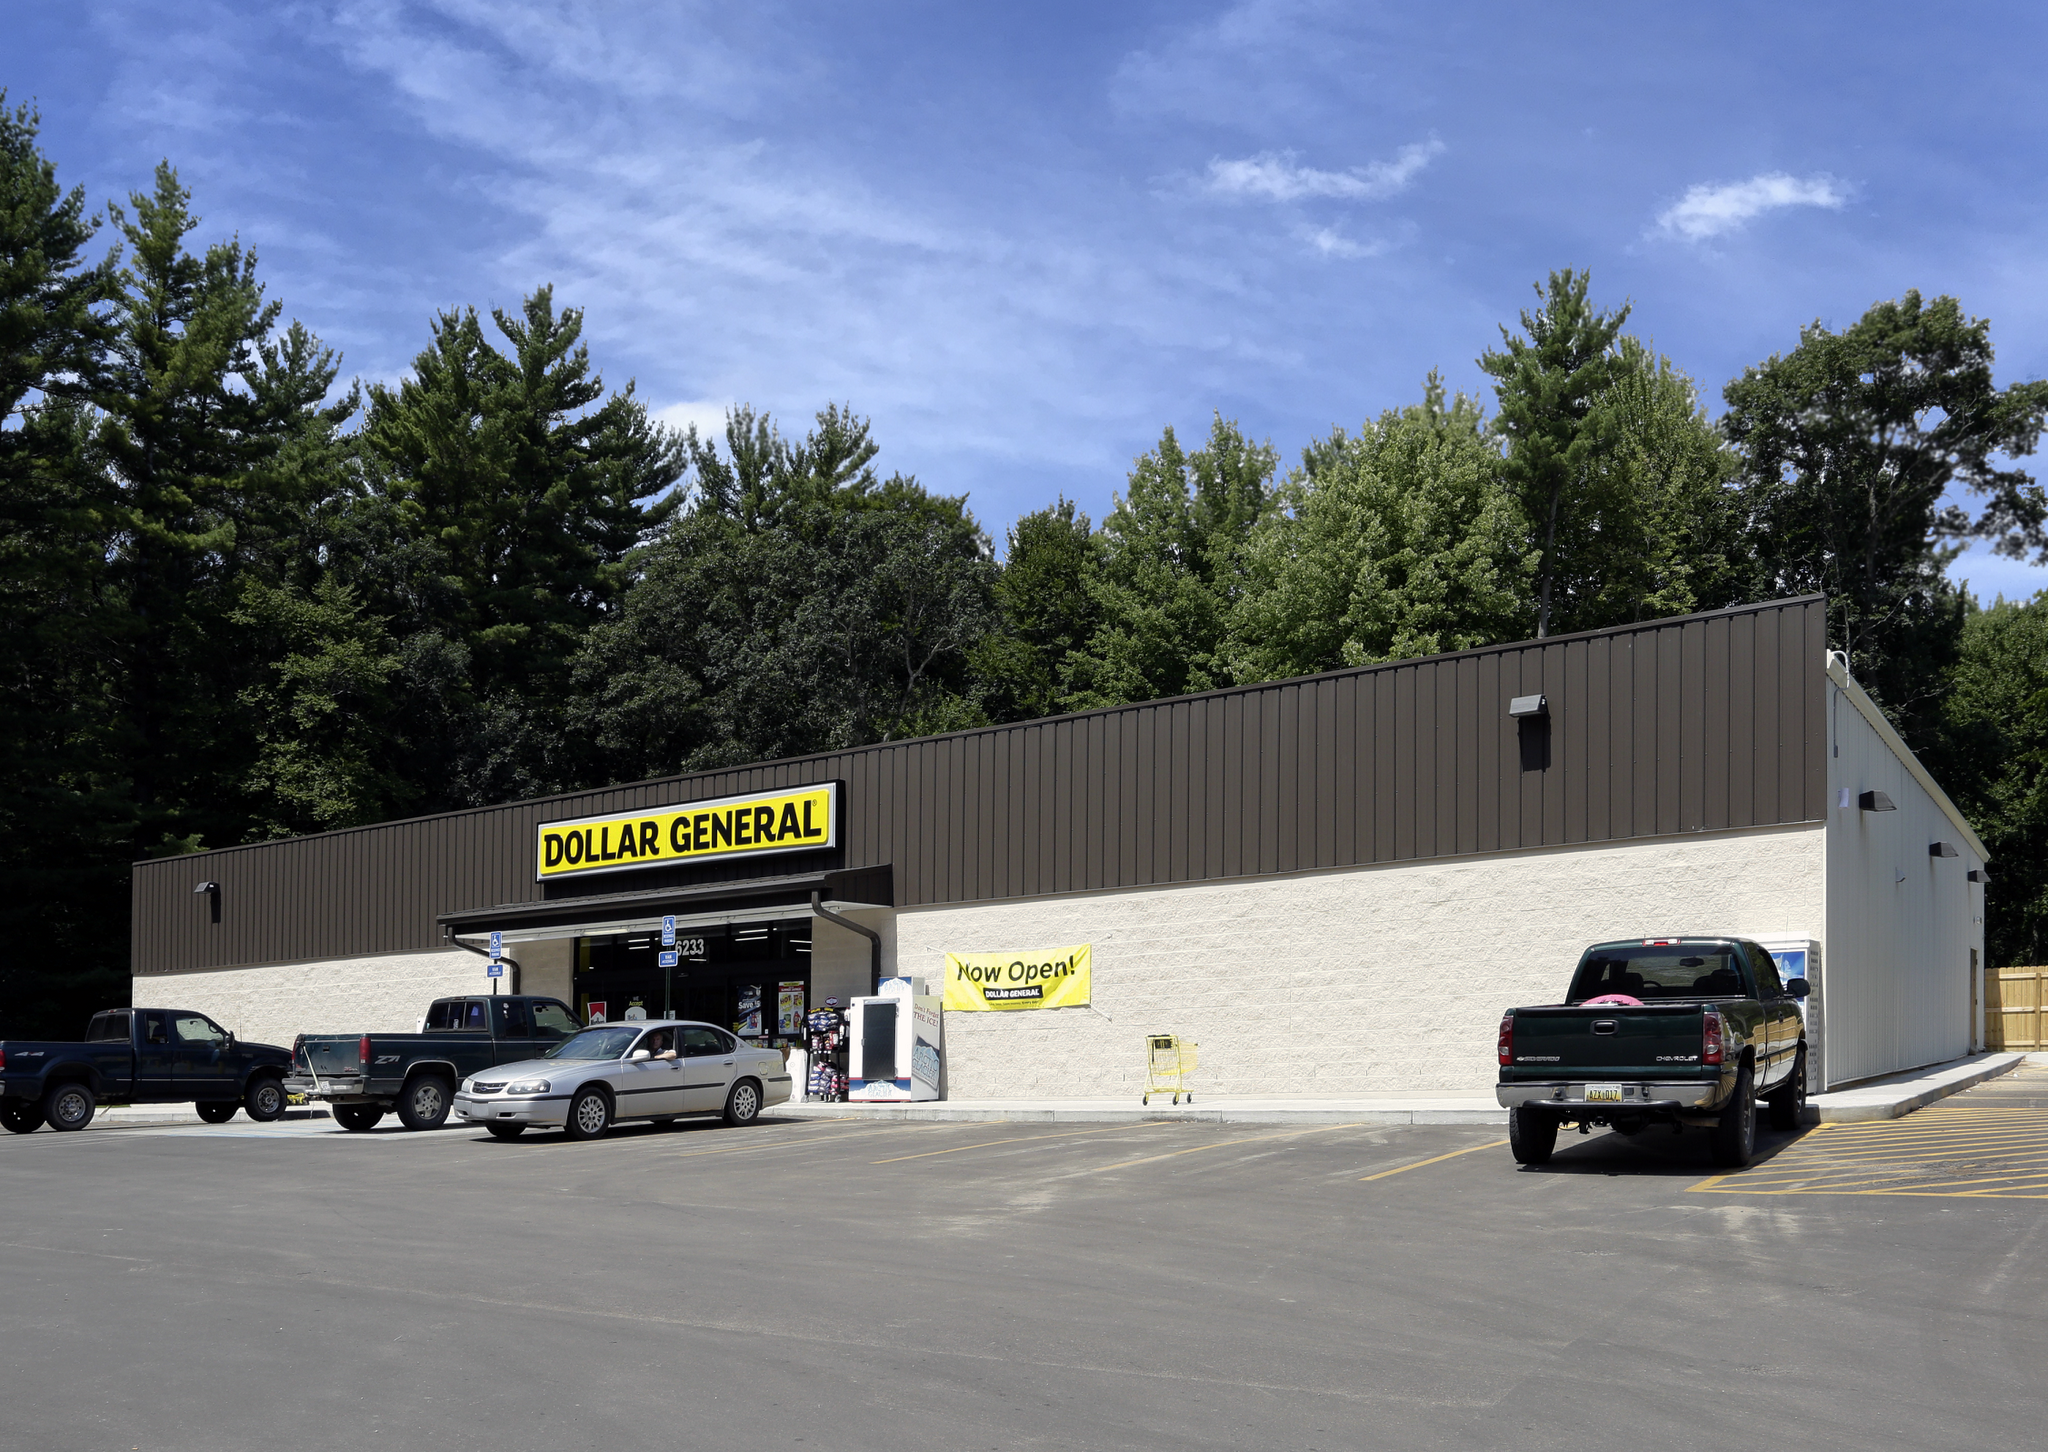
{"x":448,"y":935}
{"x":874,"y":941}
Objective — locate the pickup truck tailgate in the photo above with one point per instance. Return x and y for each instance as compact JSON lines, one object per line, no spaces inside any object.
{"x":1606,"y":1039}
{"x":330,"y":1054}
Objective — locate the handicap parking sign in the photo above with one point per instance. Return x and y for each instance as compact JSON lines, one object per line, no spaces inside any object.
{"x":496,"y":970}
{"x":668,"y":933}
{"x":669,"y":960}
{"x":497,"y":942}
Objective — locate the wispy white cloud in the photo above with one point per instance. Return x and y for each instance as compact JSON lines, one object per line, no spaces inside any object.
{"x":1273,"y":176}
{"x":1710,"y":209}
{"x":1329,"y":242}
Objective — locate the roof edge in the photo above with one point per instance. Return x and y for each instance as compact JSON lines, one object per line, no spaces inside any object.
{"x":1838,"y":672}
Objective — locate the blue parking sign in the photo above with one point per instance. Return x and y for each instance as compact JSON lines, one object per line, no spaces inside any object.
{"x":668,"y":931}
{"x":669,"y":960}
{"x":496,"y":970}
{"x":497,"y":942}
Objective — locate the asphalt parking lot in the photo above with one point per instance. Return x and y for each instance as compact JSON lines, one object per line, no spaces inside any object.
{"x":904,"y":1286}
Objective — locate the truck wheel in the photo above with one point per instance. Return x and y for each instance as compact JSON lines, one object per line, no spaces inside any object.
{"x":357,"y":1118}
{"x":265,"y":1100}
{"x":22,"y":1117}
{"x":1788,"y":1100}
{"x":217,"y":1113}
{"x":426,"y":1102}
{"x":1532,"y":1135}
{"x":590,"y":1115}
{"x":1735,"y":1134}
{"x":743,"y":1105}
{"x":505,"y":1131}
{"x":68,"y":1107}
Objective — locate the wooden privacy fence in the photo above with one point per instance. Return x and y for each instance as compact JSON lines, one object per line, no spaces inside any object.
{"x":2013,"y":1011}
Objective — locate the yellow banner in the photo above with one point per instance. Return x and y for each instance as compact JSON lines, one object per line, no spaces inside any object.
{"x":1057,"y":978}
{"x":766,"y":822}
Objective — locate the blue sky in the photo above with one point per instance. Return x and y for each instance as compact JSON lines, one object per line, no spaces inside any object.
{"x":1025,"y":237}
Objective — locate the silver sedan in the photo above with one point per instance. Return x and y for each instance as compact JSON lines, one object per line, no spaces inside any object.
{"x":661,"y":1070}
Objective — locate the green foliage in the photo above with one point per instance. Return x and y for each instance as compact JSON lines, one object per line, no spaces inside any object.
{"x":1991,"y":753}
{"x":1046,"y":597}
{"x":1401,"y":541}
{"x":320,"y":710}
{"x":504,"y":496}
{"x":1550,"y":384}
{"x":800,"y":605}
{"x":1171,"y":571}
{"x":1850,"y":442}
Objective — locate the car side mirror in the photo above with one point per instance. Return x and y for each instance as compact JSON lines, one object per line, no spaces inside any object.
{"x":638,"y":1054}
{"x":1797,"y":988}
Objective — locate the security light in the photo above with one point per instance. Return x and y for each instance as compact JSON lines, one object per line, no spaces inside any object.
{"x":1876,"y":802}
{"x":1978,"y":874}
{"x":206,"y":887}
{"x":1940,"y":849}
{"x":1528,"y":706}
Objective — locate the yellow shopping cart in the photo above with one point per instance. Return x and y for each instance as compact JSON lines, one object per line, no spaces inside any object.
{"x":1168,"y":1062}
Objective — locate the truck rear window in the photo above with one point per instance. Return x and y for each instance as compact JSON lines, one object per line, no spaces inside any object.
{"x":1681,"y":971}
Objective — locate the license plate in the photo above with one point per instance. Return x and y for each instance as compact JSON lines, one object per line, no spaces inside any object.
{"x":1599,"y":1093}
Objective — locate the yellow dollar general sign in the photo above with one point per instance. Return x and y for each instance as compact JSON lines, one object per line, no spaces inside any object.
{"x":1053,"y":979}
{"x":798,"y":820}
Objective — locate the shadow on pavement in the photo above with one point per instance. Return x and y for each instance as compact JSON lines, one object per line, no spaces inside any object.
{"x":1653,"y":1151}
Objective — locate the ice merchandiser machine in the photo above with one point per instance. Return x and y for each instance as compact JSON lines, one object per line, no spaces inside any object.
{"x":894,"y":1043}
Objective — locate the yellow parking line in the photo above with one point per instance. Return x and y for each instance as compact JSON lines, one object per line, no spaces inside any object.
{"x":1018,"y":1139}
{"x":1404,"y":1169}
{"x":1223,"y":1144}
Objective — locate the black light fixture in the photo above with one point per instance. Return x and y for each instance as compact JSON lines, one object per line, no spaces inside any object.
{"x":1522,"y":706}
{"x":1941,"y":849}
{"x":1978,"y":874}
{"x":212,"y":891}
{"x":1876,"y":802}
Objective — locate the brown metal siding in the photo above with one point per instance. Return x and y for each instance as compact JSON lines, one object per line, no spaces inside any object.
{"x":1675,"y":726}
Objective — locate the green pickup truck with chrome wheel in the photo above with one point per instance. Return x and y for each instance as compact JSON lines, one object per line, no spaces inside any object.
{"x":1678,"y":1031}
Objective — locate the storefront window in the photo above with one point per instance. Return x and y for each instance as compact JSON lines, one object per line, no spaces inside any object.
{"x":752,"y":979}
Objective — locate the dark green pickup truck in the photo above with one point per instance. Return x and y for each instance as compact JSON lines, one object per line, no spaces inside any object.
{"x":1658,"y":1031}
{"x":363,"y":1075}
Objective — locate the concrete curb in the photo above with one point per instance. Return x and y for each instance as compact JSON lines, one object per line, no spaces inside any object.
{"x":1901,"y":1094}
{"x":1888,"y":1098}
{"x":1410,"y":1111}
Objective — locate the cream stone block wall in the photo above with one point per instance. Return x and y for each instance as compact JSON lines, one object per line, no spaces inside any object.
{"x":1365,"y":980}
{"x":273,"y":1004}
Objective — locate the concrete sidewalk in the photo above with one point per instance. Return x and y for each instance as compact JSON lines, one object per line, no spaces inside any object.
{"x":1881,"y":1099}
{"x":1897,"y":1095}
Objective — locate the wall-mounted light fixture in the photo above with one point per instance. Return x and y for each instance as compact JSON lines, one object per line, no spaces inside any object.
{"x":1876,"y":802}
{"x":1531,"y":715}
{"x":212,"y":891}
{"x":1941,"y":849}
{"x":1978,"y":874}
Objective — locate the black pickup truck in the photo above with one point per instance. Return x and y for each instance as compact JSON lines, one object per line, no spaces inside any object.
{"x":1680,"y":1031}
{"x":363,"y":1076}
{"x":139,"y":1056}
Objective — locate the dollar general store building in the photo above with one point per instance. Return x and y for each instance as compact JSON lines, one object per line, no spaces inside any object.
{"x":1334,"y":884}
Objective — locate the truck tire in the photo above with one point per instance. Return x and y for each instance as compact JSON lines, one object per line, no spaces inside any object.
{"x":358,"y":1118}
{"x":265,"y":1099}
{"x":1735,"y":1134}
{"x":217,"y":1112}
{"x":505,"y":1131}
{"x":68,"y":1106}
{"x":743,"y":1104}
{"x":590,"y":1115}
{"x":22,"y":1117}
{"x":1532,"y":1135}
{"x":1788,"y":1100}
{"x":426,"y":1102}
